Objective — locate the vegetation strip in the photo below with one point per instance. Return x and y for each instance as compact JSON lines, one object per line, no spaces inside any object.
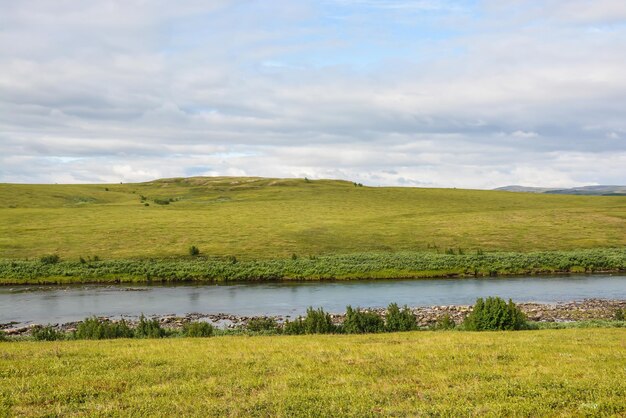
{"x":490,"y":314}
{"x":577,"y":372}
{"x":51,"y":269}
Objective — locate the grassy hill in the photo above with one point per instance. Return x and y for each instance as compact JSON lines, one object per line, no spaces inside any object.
{"x":255,"y":218}
{"x":577,"y":372}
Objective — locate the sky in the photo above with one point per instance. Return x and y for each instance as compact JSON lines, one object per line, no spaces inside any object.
{"x":426,"y":93}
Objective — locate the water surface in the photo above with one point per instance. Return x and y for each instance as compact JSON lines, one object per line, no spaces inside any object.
{"x":55,"y":304}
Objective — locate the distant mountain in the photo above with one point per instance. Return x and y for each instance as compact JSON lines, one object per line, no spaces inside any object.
{"x":584,"y":190}
{"x":524,"y":189}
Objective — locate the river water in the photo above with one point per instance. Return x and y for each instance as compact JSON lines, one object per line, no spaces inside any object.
{"x":58,"y":304}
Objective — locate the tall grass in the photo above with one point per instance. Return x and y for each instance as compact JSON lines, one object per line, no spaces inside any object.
{"x":347,"y":266}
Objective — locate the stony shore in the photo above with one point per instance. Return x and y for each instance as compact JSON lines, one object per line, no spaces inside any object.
{"x":588,"y":309}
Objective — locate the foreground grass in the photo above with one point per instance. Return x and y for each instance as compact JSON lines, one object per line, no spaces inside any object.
{"x":551,"y":372}
{"x":261,"y":219}
{"x":342,"y":267}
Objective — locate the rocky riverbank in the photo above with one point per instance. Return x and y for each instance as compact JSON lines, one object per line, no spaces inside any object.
{"x":589,"y":309}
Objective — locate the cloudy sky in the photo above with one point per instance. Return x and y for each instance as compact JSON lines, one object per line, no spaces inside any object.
{"x":429,"y":93}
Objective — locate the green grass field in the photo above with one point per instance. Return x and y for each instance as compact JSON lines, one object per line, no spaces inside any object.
{"x":269,"y":218}
{"x":577,"y":372}
{"x":299,"y":229}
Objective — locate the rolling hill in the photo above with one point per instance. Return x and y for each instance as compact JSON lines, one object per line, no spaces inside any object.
{"x":260,"y":218}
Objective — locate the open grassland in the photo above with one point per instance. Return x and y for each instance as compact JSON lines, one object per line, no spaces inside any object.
{"x":254,"y":219}
{"x":580,"y":372}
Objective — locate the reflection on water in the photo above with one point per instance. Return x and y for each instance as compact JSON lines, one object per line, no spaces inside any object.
{"x":69,"y":303}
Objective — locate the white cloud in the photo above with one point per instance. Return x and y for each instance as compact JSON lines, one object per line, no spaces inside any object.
{"x":125,"y":91}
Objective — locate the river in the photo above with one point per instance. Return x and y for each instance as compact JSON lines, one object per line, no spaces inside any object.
{"x":60,"y":304}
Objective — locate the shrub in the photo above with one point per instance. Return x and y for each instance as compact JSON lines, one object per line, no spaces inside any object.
{"x":444,"y":322}
{"x":96,"y":329}
{"x":197,"y":329}
{"x":400,"y":320}
{"x":162,"y":201}
{"x":262,"y":324}
{"x":495,"y":314}
{"x":50,"y":259}
{"x":295,"y":327}
{"x":47,"y":333}
{"x":3,"y":336}
{"x":620,"y":314}
{"x":82,"y":260}
{"x":149,"y":328}
{"x":359,"y":322}
{"x":316,"y":321}
{"x":194,"y":251}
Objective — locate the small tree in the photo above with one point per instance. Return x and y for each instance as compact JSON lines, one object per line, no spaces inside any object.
{"x":47,"y":333}
{"x":495,"y":314}
{"x":149,"y":328}
{"x":359,"y":322}
{"x":261,"y":324}
{"x":96,"y":329}
{"x":400,"y":320}
{"x":316,"y":321}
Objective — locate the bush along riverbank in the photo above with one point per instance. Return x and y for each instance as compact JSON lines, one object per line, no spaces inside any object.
{"x":52,"y":269}
{"x":490,"y":314}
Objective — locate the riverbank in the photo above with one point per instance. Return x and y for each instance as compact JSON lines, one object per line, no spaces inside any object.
{"x":399,"y":265}
{"x":426,"y":317}
{"x":532,"y":373}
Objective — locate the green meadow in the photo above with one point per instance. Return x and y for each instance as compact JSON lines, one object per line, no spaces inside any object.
{"x":257,"y":220}
{"x":574,"y":372}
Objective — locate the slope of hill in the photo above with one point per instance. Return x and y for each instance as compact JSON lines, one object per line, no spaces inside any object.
{"x":258,"y":218}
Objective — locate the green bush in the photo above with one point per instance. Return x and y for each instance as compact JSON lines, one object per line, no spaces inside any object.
{"x":96,"y":329}
{"x":50,"y":259}
{"x":399,"y":320}
{"x":620,"y":314}
{"x":316,"y":321}
{"x":495,"y":314}
{"x":262,"y":324}
{"x":194,"y":251}
{"x":197,"y":329}
{"x":295,"y":327}
{"x":162,"y":201}
{"x":444,"y":322}
{"x":360,"y":322}
{"x":149,"y":328}
{"x":47,"y":333}
{"x":3,"y":336}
